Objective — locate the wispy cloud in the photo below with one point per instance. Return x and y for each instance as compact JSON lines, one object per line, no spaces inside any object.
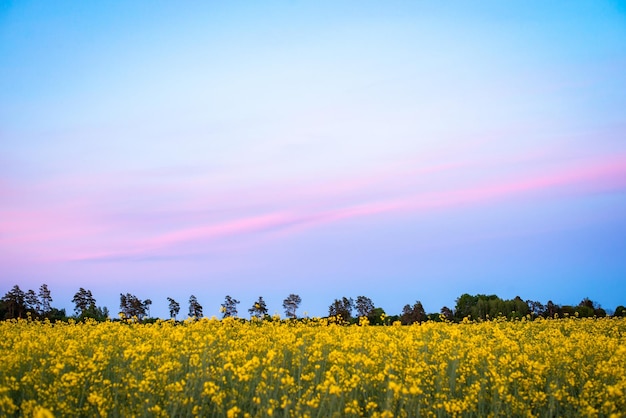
{"x":579,"y":177}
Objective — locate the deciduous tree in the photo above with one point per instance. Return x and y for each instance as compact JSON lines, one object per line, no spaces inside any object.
{"x":342,"y":308}
{"x":413,"y":314}
{"x":364,"y":306}
{"x":536,"y":308}
{"x":447,"y":313}
{"x":377,"y":316}
{"x":551,"y":309}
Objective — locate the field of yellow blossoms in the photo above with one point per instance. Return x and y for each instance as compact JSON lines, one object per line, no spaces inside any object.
{"x":313,"y":368}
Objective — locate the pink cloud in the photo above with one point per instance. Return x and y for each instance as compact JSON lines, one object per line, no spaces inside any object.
{"x":594,"y":176}
{"x":613,"y":171}
{"x":82,"y":231}
{"x":200,"y":233}
{"x":229,"y":228}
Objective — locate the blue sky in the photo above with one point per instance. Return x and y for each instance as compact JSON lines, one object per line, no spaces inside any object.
{"x":400,"y":150}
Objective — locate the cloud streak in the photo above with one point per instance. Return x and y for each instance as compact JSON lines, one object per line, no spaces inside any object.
{"x":296,"y":218}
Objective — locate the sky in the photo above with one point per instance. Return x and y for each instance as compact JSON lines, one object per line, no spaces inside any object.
{"x":400,"y":150}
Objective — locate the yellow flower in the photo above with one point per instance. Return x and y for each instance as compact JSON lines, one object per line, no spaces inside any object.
{"x":233,"y":412}
{"x":41,"y":412}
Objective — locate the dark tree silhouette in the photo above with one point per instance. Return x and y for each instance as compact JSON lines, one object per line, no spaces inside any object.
{"x":45,"y":300}
{"x":364,"y":306}
{"x":291,"y":304}
{"x":147,"y":303}
{"x":342,"y":308}
{"x":258,"y":309}
{"x":377,"y":316}
{"x":15,"y":303}
{"x":413,"y":314}
{"x":551,"y":309}
{"x":174,"y":307}
{"x":536,"y":308}
{"x":464,"y":304}
{"x":131,"y":306}
{"x":31,"y":301}
{"x":447,"y":313}
{"x":83,"y":300}
{"x":195,"y":309}
{"x":229,"y":307}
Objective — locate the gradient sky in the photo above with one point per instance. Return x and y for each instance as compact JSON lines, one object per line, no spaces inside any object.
{"x":399,"y":150}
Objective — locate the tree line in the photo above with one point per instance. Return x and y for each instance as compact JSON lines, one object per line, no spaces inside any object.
{"x":17,"y":303}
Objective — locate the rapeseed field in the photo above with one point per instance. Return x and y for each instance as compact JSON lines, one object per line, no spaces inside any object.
{"x":313,"y":368}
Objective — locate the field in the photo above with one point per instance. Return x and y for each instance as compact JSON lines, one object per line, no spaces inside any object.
{"x":310,"y":368}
